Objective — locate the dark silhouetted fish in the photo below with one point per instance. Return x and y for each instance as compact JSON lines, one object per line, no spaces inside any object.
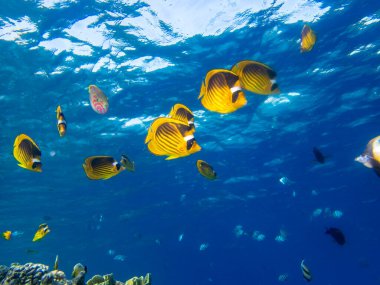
{"x":46,"y":218}
{"x":337,"y":235}
{"x":31,"y":251}
{"x":319,"y":155}
{"x":137,"y":235}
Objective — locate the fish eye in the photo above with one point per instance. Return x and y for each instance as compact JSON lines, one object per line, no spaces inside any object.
{"x":274,"y":87}
{"x":189,"y":144}
{"x":36,"y":165}
{"x":235,"y":96}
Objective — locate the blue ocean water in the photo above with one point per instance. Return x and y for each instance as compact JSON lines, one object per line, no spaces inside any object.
{"x":148,"y":55}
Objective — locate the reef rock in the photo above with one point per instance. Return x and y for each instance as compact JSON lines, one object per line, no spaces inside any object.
{"x":139,"y":280}
{"x":39,"y":274}
{"x":55,"y":277}
{"x":102,"y":280}
{"x":3,"y":271}
{"x":28,"y":274}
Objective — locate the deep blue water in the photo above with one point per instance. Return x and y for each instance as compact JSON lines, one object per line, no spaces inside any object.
{"x":148,"y":56}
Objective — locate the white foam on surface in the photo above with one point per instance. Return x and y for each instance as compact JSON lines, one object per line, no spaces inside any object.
{"x":15,"y":29}
{"x":59,"y":45}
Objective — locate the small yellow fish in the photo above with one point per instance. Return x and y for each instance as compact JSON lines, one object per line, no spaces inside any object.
{"x":182,"y":113}
{"x":42,"y":231}
{"x":256,"y":77}
{"x":127,"y":163}
{"x":102,"y":167}
{"x":172,"y":138}
{"x":27,"y":153}
{"x":306,"y":272}
{"x":371,"y":156}
{"x":308,"y":39}
{"x":221,"y":92}
{"x":206,"y":169}
{"x":98,"y":101}
{"x":61,"y":122}
{"x":7,"y":235}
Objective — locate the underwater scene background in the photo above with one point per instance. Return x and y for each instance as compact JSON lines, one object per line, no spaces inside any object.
{"x":272,"y":201}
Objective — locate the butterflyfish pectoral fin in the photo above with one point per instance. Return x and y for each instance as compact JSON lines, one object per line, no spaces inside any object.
{"x":23,"y":166}
{"x":172,"y":157}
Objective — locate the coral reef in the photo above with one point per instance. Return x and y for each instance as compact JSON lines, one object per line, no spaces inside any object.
{"x":28,"y":274}
{"x":139,"y":280}
{"x":102,"y":280}
{"x":39,"y":274}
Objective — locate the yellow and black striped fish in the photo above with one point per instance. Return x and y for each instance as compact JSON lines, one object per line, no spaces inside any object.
{"x":308,"y":39}
{"x":221,"y":92}
{"x":27,"y":153}
{"x":182,"y":113}
{"x":306,"y":272}
{"x":256,"y":77}
{"x":102,"y":167}
{"x":7,"y":235}
{"x":172,"y":138}
{"x":42,"y":231}
{"x":206,"y":169}
{"x":127,"y":163}
{"x":183,"y":127}
{"x":61,"y":122}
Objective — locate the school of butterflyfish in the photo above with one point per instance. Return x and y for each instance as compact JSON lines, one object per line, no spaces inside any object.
{"x":173,"y":136}
{"x":222,"y":91}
